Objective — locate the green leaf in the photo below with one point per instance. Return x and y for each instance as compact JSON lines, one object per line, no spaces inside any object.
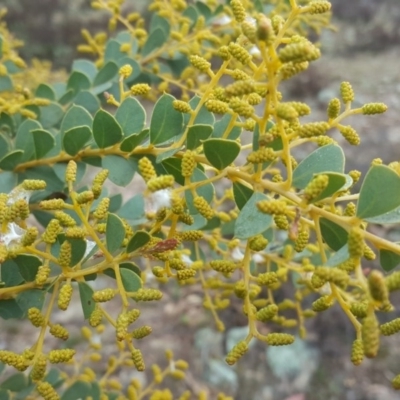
{"x":392,"y":217}
{"x":251,"y":221}
{"x":155,"y":40}
{"x":100,"y":89}
{"x":159,"y":22}
{"x":221,"y":152}
{"x":9,"y":309}
{"x":204,"y":10}
{"x":206,"y":191}
{"x":138,"y":240}
{"x":4,"y":145}
{"x":256,"y":134}
{"x":45,"y":92}
{"x":78,"y":81}
{"x":173,"y":166}
{"x":7,"y":124}
{"x":77,"y":391}
{"x":106,"y":73}
{"x":379,"y":193}
{"x":11,"y":160}
{"x":42,"y":217}
{"x":28,"y":266}
{"x":335,"y":184}
{"x":130,"y":280}
{"x":241,"y":194}
{"x":121,"y":170}
{"x":131,"y":116}
{"x":4,"y":394}
{"x":112,"y":51}
{"x":192,"y":13}
{"x":30,"y":298}
{"x":388,"y":259}
{"x":339,"y":257}
{"x":221,"y":126}
{"x":5,"y":84}
{"x":8,"y":181}
{"x":165,"y":122}
{"x":334,"y":235}
{"x":67,"y":97}
{"x":43,"y":142}
{"x":95,"y":161}
{"x":24,"y":139}
{"x":133,"y":209}
{"x":16,"y":382}
{"x":167,"y":155}
{"x":115,"y":232}
{"x":50,"y":115}
{"x":127,"y":265}
{"x":325,"y":159}
{"x":85,"y":67}
{"x":106,"y":130}
{"x":75,"y":139}
{"x":132,"y":141}
{"x":54,"y":378}
{"x":87,"y":303}
{"x":197,"y":134}
{"x":203,"y":117}
{"x":88,"y":101}
{"x":76,"y":116}
{"x":78,"y":249}
{"x":115,"y":203}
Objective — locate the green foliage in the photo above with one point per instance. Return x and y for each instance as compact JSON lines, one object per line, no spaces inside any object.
{"x":214,"y":78}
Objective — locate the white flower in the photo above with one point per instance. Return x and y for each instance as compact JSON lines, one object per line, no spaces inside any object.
{"x":89,"y":247}
{"x":158,"y":200}
{"x":236,"y":254}
{"x":255,"y":51}
{"x":325,"y":290}
{"x":14,"y":234}
{"x":222,"y":20}
{"x":258,"y":258}
{"x":19,"y":193}
{"x":187,"y":260}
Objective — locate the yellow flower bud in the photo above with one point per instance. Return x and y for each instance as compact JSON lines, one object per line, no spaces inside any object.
{"x":240,"y":53}
{"x":333,"y":108}
{"x":299,"y":52}
{"x":125,"y":71}
{"x":238,"y":10}
{"x":47,"y":391}
{"x":160,"y":182}
{"x":203,"y":207}
{"x":61,"y":356}
{"x":217,"y":106}
{"x":350,"y":135}
{"x":357,"y":352}
{"x":237,"y":352}
{"x":370,"y":335}
{"x":317,"y":185}
{"x":70,"y":172}
{"x":65,"y":296}
{"x":374,"y":108}
{"x":279,"y":339}
{"x":319,"y":6}
{"x":346,"y":92}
